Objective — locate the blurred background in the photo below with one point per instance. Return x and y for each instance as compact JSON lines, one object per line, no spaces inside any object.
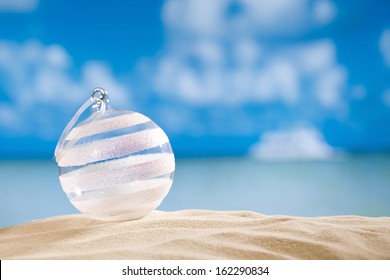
{"x":279,"y":107}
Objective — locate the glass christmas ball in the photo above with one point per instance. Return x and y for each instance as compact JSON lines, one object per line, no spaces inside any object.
{"x":115,"y":165}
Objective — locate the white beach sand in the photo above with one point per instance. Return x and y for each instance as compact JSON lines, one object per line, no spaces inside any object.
{"x":199,"y":234}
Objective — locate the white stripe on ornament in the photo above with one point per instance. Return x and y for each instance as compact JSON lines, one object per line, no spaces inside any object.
{"x":117,"y":163}
{"x":112,"y":177}
{"x":120,"y":189}
{"x":106,"y":125}
{"x":110,"y":148}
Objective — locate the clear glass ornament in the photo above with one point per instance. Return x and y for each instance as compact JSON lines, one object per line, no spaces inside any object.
{"x":116,"y":164}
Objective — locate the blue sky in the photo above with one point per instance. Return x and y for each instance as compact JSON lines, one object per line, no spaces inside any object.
{"x":273,"y":79}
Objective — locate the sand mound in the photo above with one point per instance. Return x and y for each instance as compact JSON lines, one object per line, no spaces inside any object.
{"x":199,"y":234}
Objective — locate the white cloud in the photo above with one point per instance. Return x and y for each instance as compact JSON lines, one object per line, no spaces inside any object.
{"x":234,"y":55}
{"x":34,"y":73}
{"x":386,"y":97}
{"x":18,"y":5}
{"x":384,"y":46}
{"x":287,"y":17}
{"x":316,"y":57}
{"x":277,"y":17}
{"x":210,"y":51}
{"x":193,"y":16}
{"x":358,"y":92}
{"x":216,"y":55}
{"x":247,"y":52}
{"x":296,"y":143}
{"x":277,"y":80}
{"x":8,"y":117}
{"x":324,"y":11}
{"x":318,"y":62}
{"x":330,"y":85}
{"x":40,"y":87}
{"x":99,"y":74}
{"x":258,"y":75}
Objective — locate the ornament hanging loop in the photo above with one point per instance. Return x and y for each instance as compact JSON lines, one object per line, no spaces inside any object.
{"x":102,"y":94}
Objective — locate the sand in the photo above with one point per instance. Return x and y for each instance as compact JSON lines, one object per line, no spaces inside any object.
{"x":199,"y":234}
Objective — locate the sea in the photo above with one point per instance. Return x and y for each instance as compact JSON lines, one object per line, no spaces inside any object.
{"x":352,"y":185}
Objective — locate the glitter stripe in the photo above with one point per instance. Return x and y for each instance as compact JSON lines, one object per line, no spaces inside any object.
{"x":122,"y":189}
{"x":106,"y":125}
{"x":112,"y":177}
{"x":109,"y":148}
{"x":117,"y":163}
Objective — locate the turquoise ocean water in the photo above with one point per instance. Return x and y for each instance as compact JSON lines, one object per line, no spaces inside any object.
{"x":355,"y":185}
